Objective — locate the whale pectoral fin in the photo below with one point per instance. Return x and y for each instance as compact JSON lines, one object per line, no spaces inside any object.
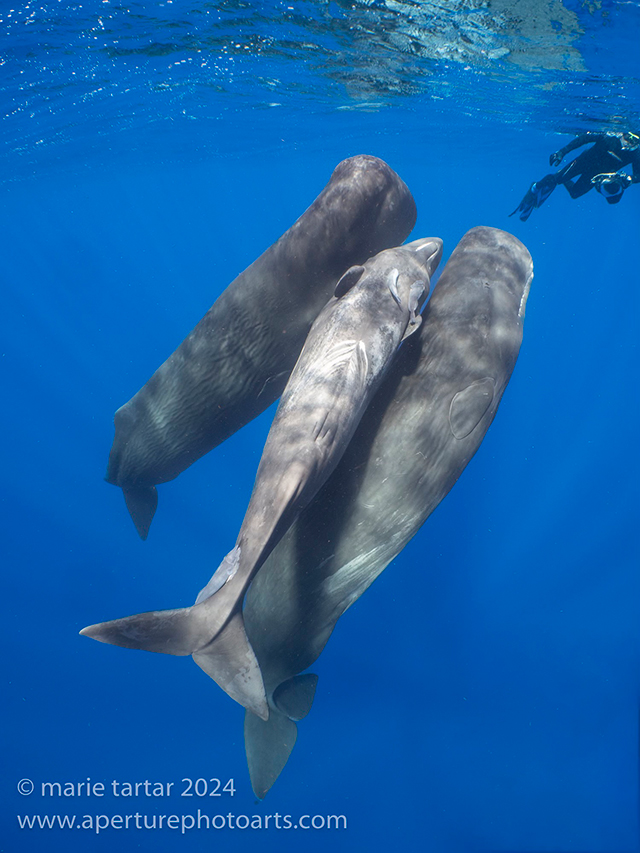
{"x":274,"y":385}
{"x":417,"y":292}
{"x":350,"y":370}
{"x":412,"y":326}
{"x":347,"y":281}
{"x":168,"y":631}
{"x":294,"y":697}
{"x":231,"y":662}
{"x":392,"y":284}
{"x":469,"y":406}
{"x":268,"y":745}
{"x":142,"y":503}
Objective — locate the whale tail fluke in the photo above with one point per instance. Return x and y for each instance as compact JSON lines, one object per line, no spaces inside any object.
{"x":228,"y":658}
{"x":269,"y":743}
{"x":294,"y":697}
{"x":142,"y":502}
{"x":171,"y":632}
{"x":231,"y":662}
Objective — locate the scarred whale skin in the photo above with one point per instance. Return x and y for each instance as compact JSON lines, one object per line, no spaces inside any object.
{"x":415,"y":439}
{"x":344,"y":359}
{"x":237,"y":360}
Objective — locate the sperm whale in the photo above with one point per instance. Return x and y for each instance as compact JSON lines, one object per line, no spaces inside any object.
{"x":344,"y":359}
{"x":237,"y":359}
{"x":424,"y":425}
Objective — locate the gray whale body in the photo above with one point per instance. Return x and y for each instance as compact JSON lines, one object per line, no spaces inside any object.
{"x":237,"y":359}
{"x":421,"y":429}
{"x":344,"y":359}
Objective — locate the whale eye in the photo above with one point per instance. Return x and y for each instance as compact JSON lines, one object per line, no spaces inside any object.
{"x":347,"y":281}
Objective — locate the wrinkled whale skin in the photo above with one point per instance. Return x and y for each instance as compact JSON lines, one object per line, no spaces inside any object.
{"x":345,"y":357}
{"x":237,"y":360}
{"x":417,"y":436}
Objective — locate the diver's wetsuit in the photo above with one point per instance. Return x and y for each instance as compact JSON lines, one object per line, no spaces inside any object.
{"x":607,"y":154}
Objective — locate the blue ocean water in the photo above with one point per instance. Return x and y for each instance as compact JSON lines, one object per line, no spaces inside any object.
{"x":483,"y":694}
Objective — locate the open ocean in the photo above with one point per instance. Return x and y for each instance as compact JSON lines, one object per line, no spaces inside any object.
{"x":483,"y":695}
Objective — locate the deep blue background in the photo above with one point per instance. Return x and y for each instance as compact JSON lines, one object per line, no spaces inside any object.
{"x":483,"y":695}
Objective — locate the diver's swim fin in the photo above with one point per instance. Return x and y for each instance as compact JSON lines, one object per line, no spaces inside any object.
{"x":536,"y":195}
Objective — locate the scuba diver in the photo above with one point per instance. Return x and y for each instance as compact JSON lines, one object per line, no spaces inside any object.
{"x":596,"y":167}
